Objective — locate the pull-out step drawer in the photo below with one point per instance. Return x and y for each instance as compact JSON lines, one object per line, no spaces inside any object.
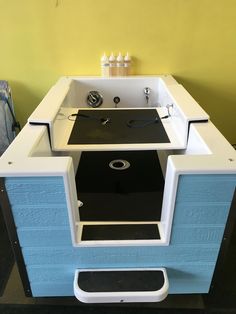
{"x":121,"y":285}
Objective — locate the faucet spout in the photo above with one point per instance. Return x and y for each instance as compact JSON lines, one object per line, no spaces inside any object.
{"x":147,"y":91}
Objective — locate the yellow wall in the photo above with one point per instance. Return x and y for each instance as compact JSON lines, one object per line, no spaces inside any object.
{"x":195,"y":40}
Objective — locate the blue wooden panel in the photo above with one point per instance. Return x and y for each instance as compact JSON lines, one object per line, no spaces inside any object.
{"x":120,"y":257}
{"x":52,"y":289}
{"x":194,"y":234}
{"x":56,"y":236}
{"x":192,"y":271}
{"x":62,"y":273}
{"x":206,"y":188}
{"x":59,"y":281}
{"x":202,"y":200}
{"x":41,"y":215}
{"x":188,"y":286}
{"x":35,"y":190}
{"x":44,"y":237}
{"x":201,"y":213}
{"x":66,"y":289}
{"x":65,"y":273}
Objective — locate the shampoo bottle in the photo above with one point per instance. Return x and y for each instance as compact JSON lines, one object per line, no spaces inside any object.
{"x":112,"y":65}
{"x":127,"y":64}
{"x":120,"y":65}
{"x":104,"y":65}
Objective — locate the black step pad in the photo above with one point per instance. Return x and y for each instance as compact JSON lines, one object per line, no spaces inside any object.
{"x":120,"y":232}
{"x":114,"y":281}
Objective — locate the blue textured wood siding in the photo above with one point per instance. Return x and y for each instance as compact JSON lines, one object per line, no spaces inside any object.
{"x":41,"y":217}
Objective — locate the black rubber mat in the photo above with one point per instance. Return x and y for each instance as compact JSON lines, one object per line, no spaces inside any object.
{"x":123,"y":126}
{"x":120,"y":232}
{"x":114,"y":281}
{"x":133,"y":194}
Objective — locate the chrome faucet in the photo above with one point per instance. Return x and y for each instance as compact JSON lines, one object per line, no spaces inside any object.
{"x":147,"y":91}
{"x":94,"y":99}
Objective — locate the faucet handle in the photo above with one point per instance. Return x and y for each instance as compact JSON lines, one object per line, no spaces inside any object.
{"x":147,"y":91}
{"x":94,"y":99}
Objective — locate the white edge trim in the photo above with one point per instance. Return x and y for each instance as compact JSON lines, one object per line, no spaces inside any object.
{"x":72,"y":202}
{"x":117,"y":297}
{"x":168,"y":204}
{"x":114,"y":243}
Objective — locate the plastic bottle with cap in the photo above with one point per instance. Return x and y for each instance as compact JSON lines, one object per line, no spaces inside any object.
{"x":127,"y":64}
{"x":104,"y":65}
{"x":112,"y":65}
{"x":120,"y":65}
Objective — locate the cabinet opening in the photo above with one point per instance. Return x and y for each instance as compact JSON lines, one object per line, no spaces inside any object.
{"x":121,"y":194}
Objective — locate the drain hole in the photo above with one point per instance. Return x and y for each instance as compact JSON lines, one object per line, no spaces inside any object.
{"x":119,"y":164}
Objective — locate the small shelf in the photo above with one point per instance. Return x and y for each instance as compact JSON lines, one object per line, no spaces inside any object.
{"x":122,"y":126}
{"x":87,"y":134}
{"x":121,"y":285}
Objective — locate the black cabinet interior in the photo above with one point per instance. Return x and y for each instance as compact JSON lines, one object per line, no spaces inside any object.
{"x":133,"y":194}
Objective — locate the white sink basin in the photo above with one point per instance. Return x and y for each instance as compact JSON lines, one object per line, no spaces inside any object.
{"x":70,"y":94}
{"x":130,"y":91}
